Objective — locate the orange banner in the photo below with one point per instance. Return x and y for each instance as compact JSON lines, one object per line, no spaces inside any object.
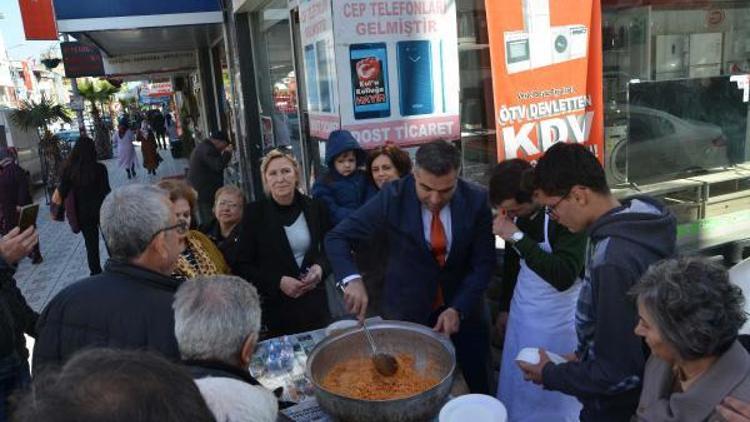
{"x":547,"y":75}
{"x":38,"y":19}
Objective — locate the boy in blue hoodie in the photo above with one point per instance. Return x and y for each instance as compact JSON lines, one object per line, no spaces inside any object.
{"x":343,"y":188}
{"x":625,"y":237}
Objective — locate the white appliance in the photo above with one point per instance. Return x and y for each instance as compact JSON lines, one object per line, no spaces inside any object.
{"x":705,"y":55}
{"x":539,"y":44}
{"x":670,"y":59}
{"x":688,"y":56}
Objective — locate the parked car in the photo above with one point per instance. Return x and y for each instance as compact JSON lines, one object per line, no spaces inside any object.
{"x":67,"y":140}
{"x":68,"y":136}
{"x":660,"y":145}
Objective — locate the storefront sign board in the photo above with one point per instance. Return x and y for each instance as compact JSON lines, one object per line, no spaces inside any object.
{"x":397,"y":63}
{"x":385,"y":70}
{"x":139,"y":64}
{"x":81,"y":59}
{"x":547,"y":75}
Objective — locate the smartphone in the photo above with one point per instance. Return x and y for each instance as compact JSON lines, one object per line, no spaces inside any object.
{"x":28,"y":216}
{"x":311,"y":76}
{"x":369,"y":67}
{"x":415,"y":77}
{"x":324,"y":77}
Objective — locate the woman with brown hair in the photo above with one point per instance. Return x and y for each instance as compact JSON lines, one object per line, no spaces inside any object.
{"x":281,"y":250}
{"x":386,"y":164}
{"x":200,"y":256}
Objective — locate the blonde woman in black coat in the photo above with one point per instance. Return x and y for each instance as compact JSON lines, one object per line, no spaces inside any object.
{"x":282,"y":250}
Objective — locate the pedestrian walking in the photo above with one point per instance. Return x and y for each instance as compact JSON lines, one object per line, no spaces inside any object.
{"x":206,"y":174}
{"x":148,"y":148}
{"x":88,"y":181}
{"x":157,"y":124}
{"x":171,"y":126}
{"x":127,"y":158}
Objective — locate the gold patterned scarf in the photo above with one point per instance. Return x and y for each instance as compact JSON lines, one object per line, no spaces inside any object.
{"x":208,"y":260}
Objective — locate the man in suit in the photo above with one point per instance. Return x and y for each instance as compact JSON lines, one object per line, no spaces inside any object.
{"x":440,"y":255}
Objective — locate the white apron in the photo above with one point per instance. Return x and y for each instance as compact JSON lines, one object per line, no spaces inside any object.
{"x":540,"y":316}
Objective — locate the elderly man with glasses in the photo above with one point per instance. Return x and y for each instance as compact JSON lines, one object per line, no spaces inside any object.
{"x":129,"y":305}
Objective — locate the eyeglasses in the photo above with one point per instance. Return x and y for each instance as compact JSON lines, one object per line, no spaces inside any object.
{"x":550,"y":210}
{"x":181,"y":227}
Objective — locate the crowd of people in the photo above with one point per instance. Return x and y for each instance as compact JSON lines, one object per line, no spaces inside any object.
{"x":154,"y":131}
{"x":196,"y":277}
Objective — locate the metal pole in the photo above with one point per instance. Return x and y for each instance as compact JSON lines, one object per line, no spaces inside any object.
{"x":77,"y":100}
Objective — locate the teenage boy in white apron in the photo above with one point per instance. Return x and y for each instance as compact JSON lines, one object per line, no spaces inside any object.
{"x":543,"y":262}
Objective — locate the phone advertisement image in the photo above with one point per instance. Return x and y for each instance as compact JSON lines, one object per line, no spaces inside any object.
{"x":399,"y":61}
{"x":387,"y":70}
{"x":369,"y":71}
{"x":415,"y":77}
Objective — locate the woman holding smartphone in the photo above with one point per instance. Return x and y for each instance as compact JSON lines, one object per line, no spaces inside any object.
{"x":88,"y":180}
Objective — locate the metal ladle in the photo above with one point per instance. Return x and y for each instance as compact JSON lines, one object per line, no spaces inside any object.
{"x":385,"y":363}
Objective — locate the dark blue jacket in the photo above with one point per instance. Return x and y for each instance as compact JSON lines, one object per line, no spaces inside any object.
{"x":341,"y":194}
{"x":125,"y":307}
{"x":623,"y":243}
{"x":412,"y":274}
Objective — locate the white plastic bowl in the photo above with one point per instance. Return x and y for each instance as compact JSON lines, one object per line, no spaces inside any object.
{"x":474,"y":408}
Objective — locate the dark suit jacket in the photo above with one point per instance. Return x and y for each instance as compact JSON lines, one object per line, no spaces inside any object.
{"x":125,"y":307}
{"x":412,"y":274}
{"x":265,"y":256}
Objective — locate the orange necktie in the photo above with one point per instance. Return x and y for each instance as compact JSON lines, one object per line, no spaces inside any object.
{"x":439,"y":244}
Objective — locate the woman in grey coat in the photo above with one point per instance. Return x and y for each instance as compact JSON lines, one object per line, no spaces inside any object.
{"x":690,"y":315}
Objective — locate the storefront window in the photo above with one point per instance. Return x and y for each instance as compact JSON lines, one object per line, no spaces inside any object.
{"x":277,"y":84}
{"x":674,"y":109}
{"x":676,"y":112}
{"x":478,"y":144}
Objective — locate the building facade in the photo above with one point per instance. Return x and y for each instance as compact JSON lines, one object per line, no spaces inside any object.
{"x":675,"y":101}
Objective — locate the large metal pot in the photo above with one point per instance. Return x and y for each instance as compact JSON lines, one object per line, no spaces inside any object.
{"x":392,"y":337}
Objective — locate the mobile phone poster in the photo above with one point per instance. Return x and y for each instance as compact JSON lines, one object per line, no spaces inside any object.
{"x":385,"y":70}
{"x":546,"y":58}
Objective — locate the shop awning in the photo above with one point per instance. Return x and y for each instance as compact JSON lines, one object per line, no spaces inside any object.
{"x":141,"y":26}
